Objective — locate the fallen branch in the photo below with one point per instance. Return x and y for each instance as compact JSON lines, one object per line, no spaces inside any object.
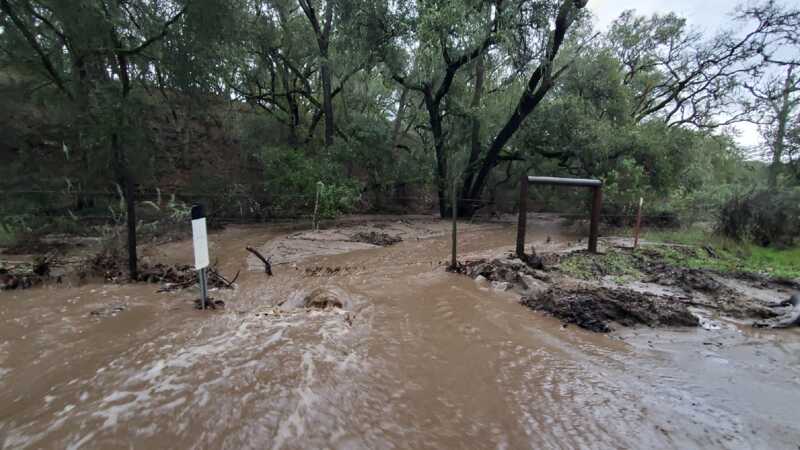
{"x":228,"y":284}
{"x":266,"y":261}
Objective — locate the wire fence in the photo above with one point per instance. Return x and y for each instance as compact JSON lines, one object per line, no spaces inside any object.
{"x":27,"y":207}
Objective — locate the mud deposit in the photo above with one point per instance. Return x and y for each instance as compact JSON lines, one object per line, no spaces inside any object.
{"x":595,"y":308}
{"x":353,"y":345}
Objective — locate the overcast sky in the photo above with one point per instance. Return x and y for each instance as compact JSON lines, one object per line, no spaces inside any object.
{"x":706,"y":15}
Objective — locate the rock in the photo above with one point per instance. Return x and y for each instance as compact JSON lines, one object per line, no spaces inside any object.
{"x":322,"y":299}
{"x":210,"y":304}
{"x":540,"y":275}
{"x":480,"y":279}
{"x":532,"y":285}
{"x":501,"y":285}
{"x":481,"y":269}
{"x":506,"y":274}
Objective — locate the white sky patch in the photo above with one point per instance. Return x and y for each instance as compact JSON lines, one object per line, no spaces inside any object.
{"x":708,"y":16}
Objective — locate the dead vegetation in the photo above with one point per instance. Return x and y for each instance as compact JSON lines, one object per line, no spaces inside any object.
{"x":27,"y":275}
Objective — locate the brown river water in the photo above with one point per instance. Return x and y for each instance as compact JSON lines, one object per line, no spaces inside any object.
{"x":418,"y":358}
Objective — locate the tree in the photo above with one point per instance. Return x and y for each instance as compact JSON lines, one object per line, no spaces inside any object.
{"x":435,"y":89}
{"x":774,"y":84}
{"x":454,"y":35}
{"x":322,"y":27}
{"x":539,"y":84}
{"x":778,"y":99}
{"x":85,"y":50}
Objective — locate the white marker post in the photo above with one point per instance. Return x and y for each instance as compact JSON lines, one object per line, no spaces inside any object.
{"x":200,"y":239}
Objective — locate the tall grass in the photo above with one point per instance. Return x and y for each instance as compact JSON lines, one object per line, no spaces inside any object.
{"x":730,"y":255}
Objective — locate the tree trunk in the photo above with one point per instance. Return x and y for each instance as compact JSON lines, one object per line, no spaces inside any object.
{"x":467,"y":205}
{"x":327,"y":100}
{"x":125,"y":179}
{"x":124,"y":169}
{"x":780,"y":135}
{"x":435,"y":120}
{"x":398,"y":120}
{"x":540,"y":82}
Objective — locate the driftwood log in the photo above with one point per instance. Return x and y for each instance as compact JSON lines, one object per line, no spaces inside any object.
{"x":266,"y":261}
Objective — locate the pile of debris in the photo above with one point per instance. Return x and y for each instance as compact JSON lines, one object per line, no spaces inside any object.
{"x":506,"y":273}
{"x":24,"y":276}
{"x":171,"y":277}
{"x":375,"y":238}
{"x":176,"y":277}
{"x":595,"y":308}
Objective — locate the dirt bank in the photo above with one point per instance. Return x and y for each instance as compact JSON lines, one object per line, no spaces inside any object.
{"x":597,"y":308}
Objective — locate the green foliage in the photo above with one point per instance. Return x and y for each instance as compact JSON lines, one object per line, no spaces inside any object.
{"x":728,"y":255}
{"x":767,"y":218}
{"x":337,"y":199}
{"x":291,"y":183}
{"x":225,"y":107}
{"x":619,"y":265}
{"x":7,"y":236}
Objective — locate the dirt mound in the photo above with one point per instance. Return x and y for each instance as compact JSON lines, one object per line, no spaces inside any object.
{"x":595,"y":308}
{"x":376,"y":238}
{"x":686,"y":279}
{"x":765,"y":281}
{"x":707,"y":291}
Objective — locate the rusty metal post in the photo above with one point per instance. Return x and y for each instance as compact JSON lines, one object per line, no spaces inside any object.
{"x":523,"y":215}
{"x":638,"y":223}
{"x":594,"y":227}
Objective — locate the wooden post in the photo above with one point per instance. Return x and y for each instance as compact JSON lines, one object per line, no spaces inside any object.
{"x":315,"y":219}
{"x":594,"y":227}
{"x":454,"y":205}
{"x":523,"y":215}
{"x":638,"y":223}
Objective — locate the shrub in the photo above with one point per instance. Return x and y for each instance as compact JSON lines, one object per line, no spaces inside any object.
{"x":765,"y":218}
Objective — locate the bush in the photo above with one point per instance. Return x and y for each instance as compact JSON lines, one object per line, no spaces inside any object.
{"x":764,"y":218}
{"x":336,"y":199}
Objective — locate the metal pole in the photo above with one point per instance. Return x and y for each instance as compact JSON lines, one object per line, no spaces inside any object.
{"x":454,"y":204}
{"x":204,"y":287}
{"x":638,"y":223}
{"x":594,"y":226}
{"x":523,"y":215}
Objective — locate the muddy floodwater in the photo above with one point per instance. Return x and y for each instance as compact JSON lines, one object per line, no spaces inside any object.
{"x":415,"y":358}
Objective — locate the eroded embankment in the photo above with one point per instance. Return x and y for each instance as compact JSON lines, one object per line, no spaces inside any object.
{"x":645,"y":287}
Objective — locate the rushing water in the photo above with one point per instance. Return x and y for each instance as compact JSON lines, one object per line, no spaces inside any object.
{"x":417,"y":358}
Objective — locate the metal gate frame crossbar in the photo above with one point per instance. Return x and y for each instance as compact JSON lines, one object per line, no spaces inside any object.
{"x":597,"y":202}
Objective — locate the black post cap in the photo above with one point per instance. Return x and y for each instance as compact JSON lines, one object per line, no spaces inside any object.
{"x":198,"y":212}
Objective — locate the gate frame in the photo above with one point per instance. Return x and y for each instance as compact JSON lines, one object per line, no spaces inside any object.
{"x":597,"y":203}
